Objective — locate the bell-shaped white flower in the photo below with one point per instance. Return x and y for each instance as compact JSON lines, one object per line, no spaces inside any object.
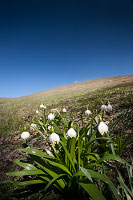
{"x":102,"y":128}
{"x":51,"y":116}
{"x":54,"y":138}
{"x":25,"y":135}
{"x":88,"y":112}
{"x":103,"y":107}
{"x":32,"y":127}
{"x":37,"y":111}
{"x":64,"y":110}
{"x":42,"y":106}
{"x":109,"y":107}
{"x":71,"y":133}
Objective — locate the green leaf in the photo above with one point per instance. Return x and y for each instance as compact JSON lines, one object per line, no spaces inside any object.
{"x":72,"y":148}
{"x":113,"y":157}
{"x":124,"y":186}
{"x":58,"y":165}
{"x":86,"y":173}
{"x":37,"y":153}
{"x":26,"y":172}
{"x":56,"y":128}
{"x":31,"y":182}
{"x":24,"y":165}
{"x":53,"y":180}
{"x":68,"y":155}
{"x":101,"y":177}
{"x":92,"y":190}
{"x":43,"y":165}
{"x":83,"y":132}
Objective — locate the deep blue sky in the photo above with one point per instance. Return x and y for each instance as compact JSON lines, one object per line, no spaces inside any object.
{"x":50,"y":43}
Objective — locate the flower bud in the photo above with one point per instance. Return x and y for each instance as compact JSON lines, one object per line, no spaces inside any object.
{"x":25,"y":128}
{"x":71,"y":133}
{"x":25,"y":135}
{"x":102,"y":128}
{"x":54,"y":138}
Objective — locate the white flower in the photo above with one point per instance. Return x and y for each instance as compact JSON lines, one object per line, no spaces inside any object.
{"x":37,"y":111}
{"x":71,"y":133}
{"x":103,"y":107}
{"x":109,"y":107}
{"x":88,"y":112}
{"x":51,"y":116}
{"x":32,"y":127}
{"x":42,"y":106}
{"x":54,"y":138}
{"x":25,"y":135}
{"x":49,"y":127}
{"x":102,"y":128}
{"x":64,"y":110}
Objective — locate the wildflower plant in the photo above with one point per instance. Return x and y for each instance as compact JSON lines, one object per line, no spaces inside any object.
{"x":77,"y":161}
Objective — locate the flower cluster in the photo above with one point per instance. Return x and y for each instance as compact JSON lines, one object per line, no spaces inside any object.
{"x":106,"y":107}
{"x":54,"y":138}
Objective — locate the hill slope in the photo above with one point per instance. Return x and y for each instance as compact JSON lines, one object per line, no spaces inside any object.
{"x":15,"y":113}
{"x":73,"y":89}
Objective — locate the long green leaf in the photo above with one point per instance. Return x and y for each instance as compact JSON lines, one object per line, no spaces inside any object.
{"x":31,"y":182}
{"x":63,"y":167}
{"x":56,"y":128}
{"x":92,"y":190}
{"x":72,"y":149}
{"x":37,"y":153}
{"x":102,"y":177}
{"x":53,"y":180}
{"x":86,"y":173}
{"x":68,"y":155}
{"x":124,"y":186}
{"x":24,"y":165}
{"x":113,"y":157}
{"x":46,"y":168}
{"x":26,"y":172}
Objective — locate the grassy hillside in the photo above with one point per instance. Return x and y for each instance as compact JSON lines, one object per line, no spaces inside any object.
{"x":15,"y":113}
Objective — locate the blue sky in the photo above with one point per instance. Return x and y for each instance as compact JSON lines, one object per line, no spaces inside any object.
{"x":49,"y":43}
